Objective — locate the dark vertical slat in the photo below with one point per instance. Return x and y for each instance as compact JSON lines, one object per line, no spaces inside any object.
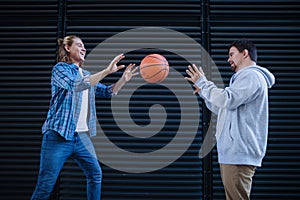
{"x":207,"y":160}
{"x":61,"y":26}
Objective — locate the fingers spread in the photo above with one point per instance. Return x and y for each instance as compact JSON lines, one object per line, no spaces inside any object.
{"x":130,"y":66}
{"x":187,"y":78}
{"x":135,"y":69}
{"x":189,"y":73}
{"x":201,"y":70}
{"x":134,"y":74}
{"x":195,"y":68}
{"x":118,"y":58}
{"x":120,"y":67}
{"x":191,"y":69}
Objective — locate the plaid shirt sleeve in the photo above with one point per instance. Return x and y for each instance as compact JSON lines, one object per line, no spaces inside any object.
{"x":104,"y":90}
{"x":68,"y":77}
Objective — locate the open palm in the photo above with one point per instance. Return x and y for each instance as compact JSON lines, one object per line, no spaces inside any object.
{"x":130,"y":72}
{"x":113,"y":67}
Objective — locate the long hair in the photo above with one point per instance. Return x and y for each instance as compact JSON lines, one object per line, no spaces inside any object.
{"x":63,"y":55}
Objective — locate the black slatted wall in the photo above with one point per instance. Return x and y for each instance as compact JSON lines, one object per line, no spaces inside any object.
{"x":27,"y":38}
{"x":28,"y":51}
{"x":274,"y":27}
{"x":96,"y":21}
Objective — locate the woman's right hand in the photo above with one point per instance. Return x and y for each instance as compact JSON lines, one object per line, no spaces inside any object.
{"x":113,"y":67}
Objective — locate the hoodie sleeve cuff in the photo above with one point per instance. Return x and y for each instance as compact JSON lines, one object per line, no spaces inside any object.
{"x":201,"y":82}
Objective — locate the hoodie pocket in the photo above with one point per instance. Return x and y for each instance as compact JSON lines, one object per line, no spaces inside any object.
{"x":226,"y":140}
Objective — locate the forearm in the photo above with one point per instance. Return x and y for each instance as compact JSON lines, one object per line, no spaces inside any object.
{"x":212,"y":107}
{"x":241,"y":91}
{"x":118,"y":85}
{"x":95,"y":78}
{"x":212,"y":95}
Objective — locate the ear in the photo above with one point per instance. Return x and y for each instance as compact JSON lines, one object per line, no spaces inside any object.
{"x":67,"y":48}
{"x":245,"y":53}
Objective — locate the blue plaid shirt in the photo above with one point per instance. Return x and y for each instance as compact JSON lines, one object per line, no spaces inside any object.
{"x":66,"y":87}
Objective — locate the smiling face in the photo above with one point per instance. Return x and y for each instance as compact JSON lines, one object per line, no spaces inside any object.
{"x":76,"y":51}
{"x":235,"y":59}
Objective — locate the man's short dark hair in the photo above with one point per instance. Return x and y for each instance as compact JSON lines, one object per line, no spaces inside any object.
{"x":243,"y":44}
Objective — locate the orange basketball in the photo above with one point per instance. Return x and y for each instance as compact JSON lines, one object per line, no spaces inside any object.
{"x":154,"y":68}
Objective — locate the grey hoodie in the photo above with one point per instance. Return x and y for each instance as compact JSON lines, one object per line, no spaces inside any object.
{"x":242,"y":109}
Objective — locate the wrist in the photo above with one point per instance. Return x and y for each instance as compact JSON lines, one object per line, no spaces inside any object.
{"x":123,"y":79}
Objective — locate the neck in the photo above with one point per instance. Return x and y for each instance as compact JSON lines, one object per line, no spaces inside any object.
{"x":76,"y":63}
{"x":246,"y":64}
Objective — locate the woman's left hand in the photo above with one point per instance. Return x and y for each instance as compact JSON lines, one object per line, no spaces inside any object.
{"x":129,"y":72}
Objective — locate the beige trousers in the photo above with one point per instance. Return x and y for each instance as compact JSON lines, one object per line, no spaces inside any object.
{"x":237,"y":181}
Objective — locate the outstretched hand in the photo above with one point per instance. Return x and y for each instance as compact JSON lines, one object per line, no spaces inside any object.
{"x":129,"y":72}
{"x":112,"y":67}
{"x":127,"y":75}
{"x":195,"y":74}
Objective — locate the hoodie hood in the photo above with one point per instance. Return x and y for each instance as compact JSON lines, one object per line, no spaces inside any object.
{"x":269,"y":77}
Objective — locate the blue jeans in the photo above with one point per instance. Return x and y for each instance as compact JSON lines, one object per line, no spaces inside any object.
{"x":54,"y":153}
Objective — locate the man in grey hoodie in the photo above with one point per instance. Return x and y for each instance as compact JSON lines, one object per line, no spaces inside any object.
{"x":242,"y":109}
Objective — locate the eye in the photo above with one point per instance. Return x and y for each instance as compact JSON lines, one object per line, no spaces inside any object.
{"x":79,"y":45}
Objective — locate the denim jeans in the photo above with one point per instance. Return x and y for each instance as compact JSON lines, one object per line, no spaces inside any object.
{"x":54,"y":153}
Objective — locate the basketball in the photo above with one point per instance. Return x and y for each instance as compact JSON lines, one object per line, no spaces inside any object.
{"x":154,"y":68}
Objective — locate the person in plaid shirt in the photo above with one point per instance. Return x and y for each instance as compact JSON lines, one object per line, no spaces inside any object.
{"x":72,"y":115}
